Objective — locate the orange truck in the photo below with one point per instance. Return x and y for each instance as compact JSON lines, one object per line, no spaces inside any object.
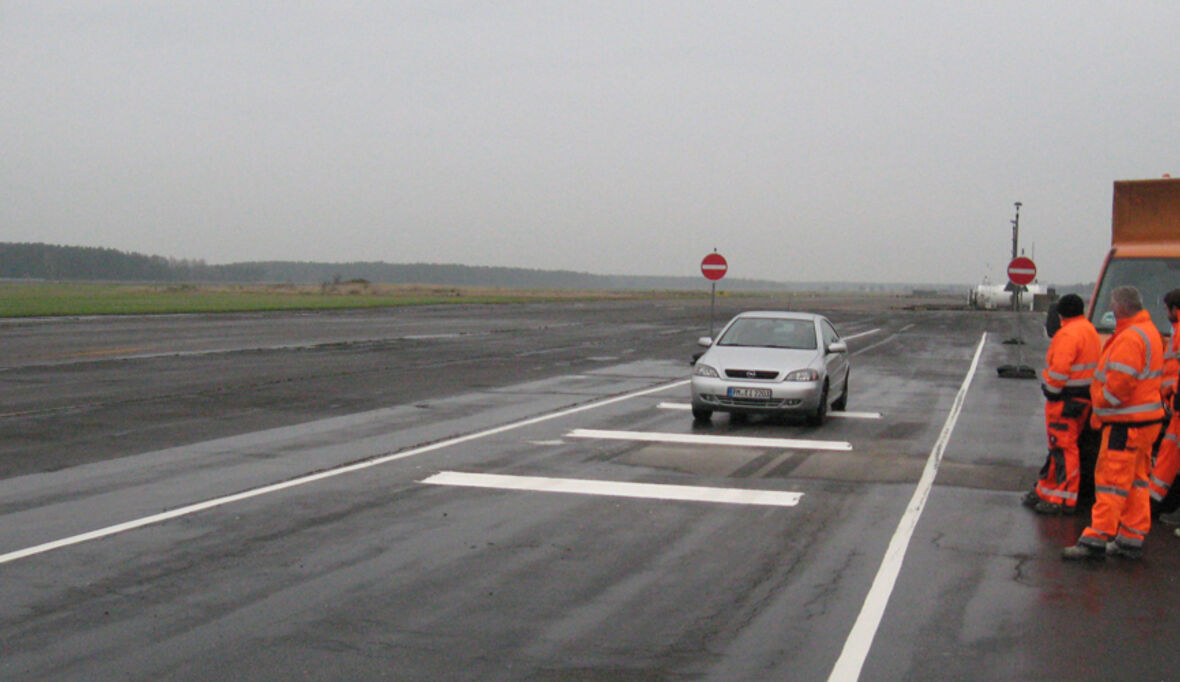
{"x":1144,"y":249}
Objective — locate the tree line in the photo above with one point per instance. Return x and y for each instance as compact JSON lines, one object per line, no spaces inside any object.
{"x":51,"y":262}
{"x":82,"y":263}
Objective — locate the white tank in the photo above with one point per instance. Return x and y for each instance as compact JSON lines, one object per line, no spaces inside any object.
{"x":996,"y":296}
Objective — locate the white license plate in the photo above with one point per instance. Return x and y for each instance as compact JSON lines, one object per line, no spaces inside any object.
{"x":750,"y":393}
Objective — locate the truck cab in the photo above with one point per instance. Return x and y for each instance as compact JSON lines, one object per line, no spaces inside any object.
{"x":1144,"y":251}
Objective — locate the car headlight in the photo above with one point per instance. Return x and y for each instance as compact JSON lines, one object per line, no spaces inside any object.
{"x":803,"y":375}
{"x":703,"y":370}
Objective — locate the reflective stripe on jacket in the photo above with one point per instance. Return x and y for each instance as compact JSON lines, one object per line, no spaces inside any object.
{"x":1072,"y":359}
{"x":1126,"y":386}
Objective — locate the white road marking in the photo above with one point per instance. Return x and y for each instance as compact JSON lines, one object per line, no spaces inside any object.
{"x":693,"y":439}
{"x":650,"y":491}
{"x":547,"y":442}
{"x":831,"y":413}
{"x":859,"y":334}
{"x":860,"y":639}
{"x":331,"y":473}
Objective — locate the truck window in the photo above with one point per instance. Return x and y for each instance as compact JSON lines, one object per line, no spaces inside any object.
{"x":1153,"y":277}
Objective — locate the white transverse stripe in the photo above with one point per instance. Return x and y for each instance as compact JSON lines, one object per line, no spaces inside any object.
{"x":860,"y":639}
{"x":648,"y":491}
{"x":311,"y":478}
{"x":690,"y":439}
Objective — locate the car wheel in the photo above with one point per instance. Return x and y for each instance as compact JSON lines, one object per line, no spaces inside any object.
{"x":701,"y":414}
{"x":817,"y":417}
{"x":842,"y":402}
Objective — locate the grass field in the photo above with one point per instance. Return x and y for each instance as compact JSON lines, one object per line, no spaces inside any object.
{"x":39,"y":299}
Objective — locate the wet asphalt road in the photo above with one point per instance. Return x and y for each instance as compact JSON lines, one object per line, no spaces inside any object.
{"x":367,"y":572}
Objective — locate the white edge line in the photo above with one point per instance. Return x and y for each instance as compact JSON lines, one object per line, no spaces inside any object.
{"x":311,"y":478}
{"x":692,"y":439}
{"x":860,"y":639}
{"x":658,"y":491}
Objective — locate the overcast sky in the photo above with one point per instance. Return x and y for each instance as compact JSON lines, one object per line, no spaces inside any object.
{"x":859,"y":141}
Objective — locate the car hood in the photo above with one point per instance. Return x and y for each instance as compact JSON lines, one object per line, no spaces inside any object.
{"x":722,"y":358}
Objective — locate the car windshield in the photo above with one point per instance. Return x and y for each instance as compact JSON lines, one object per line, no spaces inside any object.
{"x":1153,"y":277}
{"x":770,"y":333}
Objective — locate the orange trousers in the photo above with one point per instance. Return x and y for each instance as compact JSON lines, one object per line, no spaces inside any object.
{"x":1122,"y":503}
{"x":1061,"y":474}
{"x":1167,"y":461}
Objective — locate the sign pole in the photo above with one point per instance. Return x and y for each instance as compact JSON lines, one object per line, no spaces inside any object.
{"x":712,"y":305}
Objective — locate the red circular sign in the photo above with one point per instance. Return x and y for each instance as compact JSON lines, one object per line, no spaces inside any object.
{"x":714,"y":266}
{"x":1022,"y":270}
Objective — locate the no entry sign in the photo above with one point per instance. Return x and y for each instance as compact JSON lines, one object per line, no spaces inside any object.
{"x":714,"y":266}
{"x":1022,"y":270}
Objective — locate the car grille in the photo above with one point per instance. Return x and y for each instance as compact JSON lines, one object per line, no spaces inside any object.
{"x":751,"y":374}
{"x":748,"y":402}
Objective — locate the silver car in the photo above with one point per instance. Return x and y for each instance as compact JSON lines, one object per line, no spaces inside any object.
{"x":768,"y":362}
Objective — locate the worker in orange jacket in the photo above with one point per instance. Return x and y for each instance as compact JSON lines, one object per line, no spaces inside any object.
{"x":1069,"y":369}
{"x":1126,"y":402}
{"x":1167,"y":460}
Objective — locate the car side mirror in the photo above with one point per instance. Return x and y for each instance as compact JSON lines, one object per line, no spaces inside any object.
{"x":705,"y":341}
{"x":837,"y":347}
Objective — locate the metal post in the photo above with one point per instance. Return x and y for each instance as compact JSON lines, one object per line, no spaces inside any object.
{"x":712,"y":304}
{"x":1015,"y":229}
{"x":1015,"y":237}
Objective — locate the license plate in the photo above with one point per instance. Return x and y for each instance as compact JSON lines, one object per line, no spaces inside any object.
{"x":750,"y":393}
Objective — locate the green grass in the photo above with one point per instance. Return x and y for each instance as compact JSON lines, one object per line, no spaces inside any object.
{"x":39,"y":299}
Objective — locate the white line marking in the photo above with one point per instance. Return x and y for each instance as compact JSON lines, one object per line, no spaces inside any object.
{"x":878,"y":344}
{"x":692,"y":439}
{"x":547,"y":442}
{"x":311,"y":478}
{"x":858,"y":335}
{"x":652,"y":491}
{"x":831,"y":413}
{"x":860,"y":639}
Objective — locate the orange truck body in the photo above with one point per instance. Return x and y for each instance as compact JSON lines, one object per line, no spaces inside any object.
{"x":1144,"y":249}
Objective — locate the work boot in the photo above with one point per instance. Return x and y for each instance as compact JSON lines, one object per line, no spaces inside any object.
{"x":1171,"y":518}
{"x":1030,"y":500}
{"x":1126,"y":552}
{"x":1080,"y":551}
{"x":1043,"y":507}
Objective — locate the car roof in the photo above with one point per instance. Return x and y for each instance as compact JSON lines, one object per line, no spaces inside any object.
{"x":781,"y":315}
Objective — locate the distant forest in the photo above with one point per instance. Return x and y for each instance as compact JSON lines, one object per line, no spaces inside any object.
{"x":49,"y":262}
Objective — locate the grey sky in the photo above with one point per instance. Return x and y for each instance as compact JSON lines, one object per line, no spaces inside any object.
{"x":862,"y":141}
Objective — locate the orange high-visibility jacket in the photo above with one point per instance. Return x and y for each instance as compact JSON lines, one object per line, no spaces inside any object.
{"x":1126,"y":386}
{"x":1071,"y":360}
{"x":1171,"y":367}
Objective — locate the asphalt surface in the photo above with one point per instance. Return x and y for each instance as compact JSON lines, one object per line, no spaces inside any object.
{"x":259,"y":497}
